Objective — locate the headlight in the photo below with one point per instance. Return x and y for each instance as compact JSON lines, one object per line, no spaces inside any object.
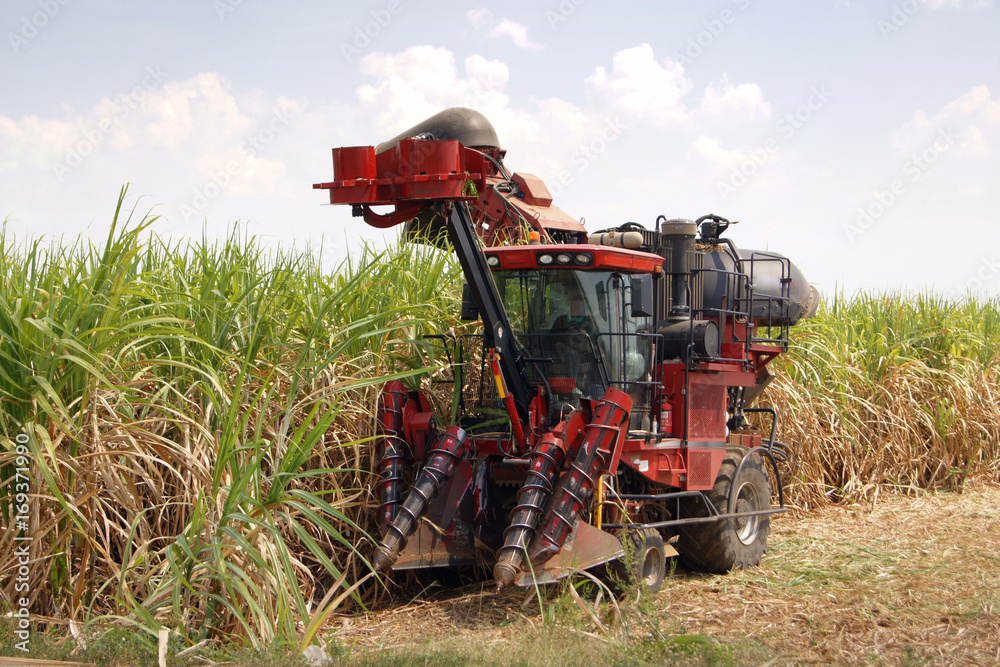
{"x":493,"y":260}
{"x":584,"y":258}
{"x":545,"y":259}
{"x":563,"y":258}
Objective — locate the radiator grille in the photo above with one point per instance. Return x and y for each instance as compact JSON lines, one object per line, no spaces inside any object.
{"x":707,"y":412}
{"x":699,"y":469}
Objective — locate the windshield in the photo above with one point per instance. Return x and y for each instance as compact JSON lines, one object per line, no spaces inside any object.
{"x":538,"y":301}
{"x":577,"y":330}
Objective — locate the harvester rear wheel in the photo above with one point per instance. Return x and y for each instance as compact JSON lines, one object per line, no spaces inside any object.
{"x":730,"y":543}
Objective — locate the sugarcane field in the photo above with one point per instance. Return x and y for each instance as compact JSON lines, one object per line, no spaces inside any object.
{"x":564,"y":335}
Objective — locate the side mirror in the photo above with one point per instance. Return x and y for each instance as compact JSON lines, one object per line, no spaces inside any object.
{"x":642,"y":295}
{"x":469,"y":310}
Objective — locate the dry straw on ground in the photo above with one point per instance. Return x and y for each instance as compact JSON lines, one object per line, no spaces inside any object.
{"x":910,"y":582}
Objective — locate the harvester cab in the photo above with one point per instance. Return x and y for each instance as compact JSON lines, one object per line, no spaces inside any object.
{"x":610,"y":387}
{"x":583,"y":318}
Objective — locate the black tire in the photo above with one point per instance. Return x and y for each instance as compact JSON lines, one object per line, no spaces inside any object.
{"x":645,"y":561}
{"x":723,"y":545}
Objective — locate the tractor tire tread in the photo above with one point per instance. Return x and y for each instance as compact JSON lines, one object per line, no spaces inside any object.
{"x":715,"y":547}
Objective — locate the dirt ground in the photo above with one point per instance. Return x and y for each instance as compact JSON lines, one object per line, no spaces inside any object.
{"x":914,"y":580}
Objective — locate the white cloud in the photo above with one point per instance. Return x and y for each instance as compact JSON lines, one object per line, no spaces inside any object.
{"x":517,"y":32}
{"x":641,"y":87}
{"x":422,"y":80}
{"x":568,"y":145}
{"x":540,"y":135}
{"x":710,"y":149}
{"x":754,"y":161}
{"x":202,"y":108}
{"x":479,"y":18}
{"x":37,"y":141}
{"x":742,"y":102}
{"x":175,"y":140}
{"x":973,"y":120}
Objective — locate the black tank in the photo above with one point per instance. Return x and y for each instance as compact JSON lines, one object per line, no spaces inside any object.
{"x":768,"y":270}
{"x":467,"y":126}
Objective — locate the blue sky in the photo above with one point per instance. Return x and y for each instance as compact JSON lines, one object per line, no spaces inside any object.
{"x":860,"y":139}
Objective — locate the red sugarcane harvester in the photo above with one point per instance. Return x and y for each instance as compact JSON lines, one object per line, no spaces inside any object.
{"x":604,"y":405}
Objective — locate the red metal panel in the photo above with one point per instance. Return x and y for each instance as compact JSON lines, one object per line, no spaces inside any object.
{"x":534,"y":189}
{"x":660,"y":462}
{"x":410,"y":170}
{"x":747,"y":439}
{"x":619,"y":259}
{"x":727,"y":375}
{"x":353,"y":162}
